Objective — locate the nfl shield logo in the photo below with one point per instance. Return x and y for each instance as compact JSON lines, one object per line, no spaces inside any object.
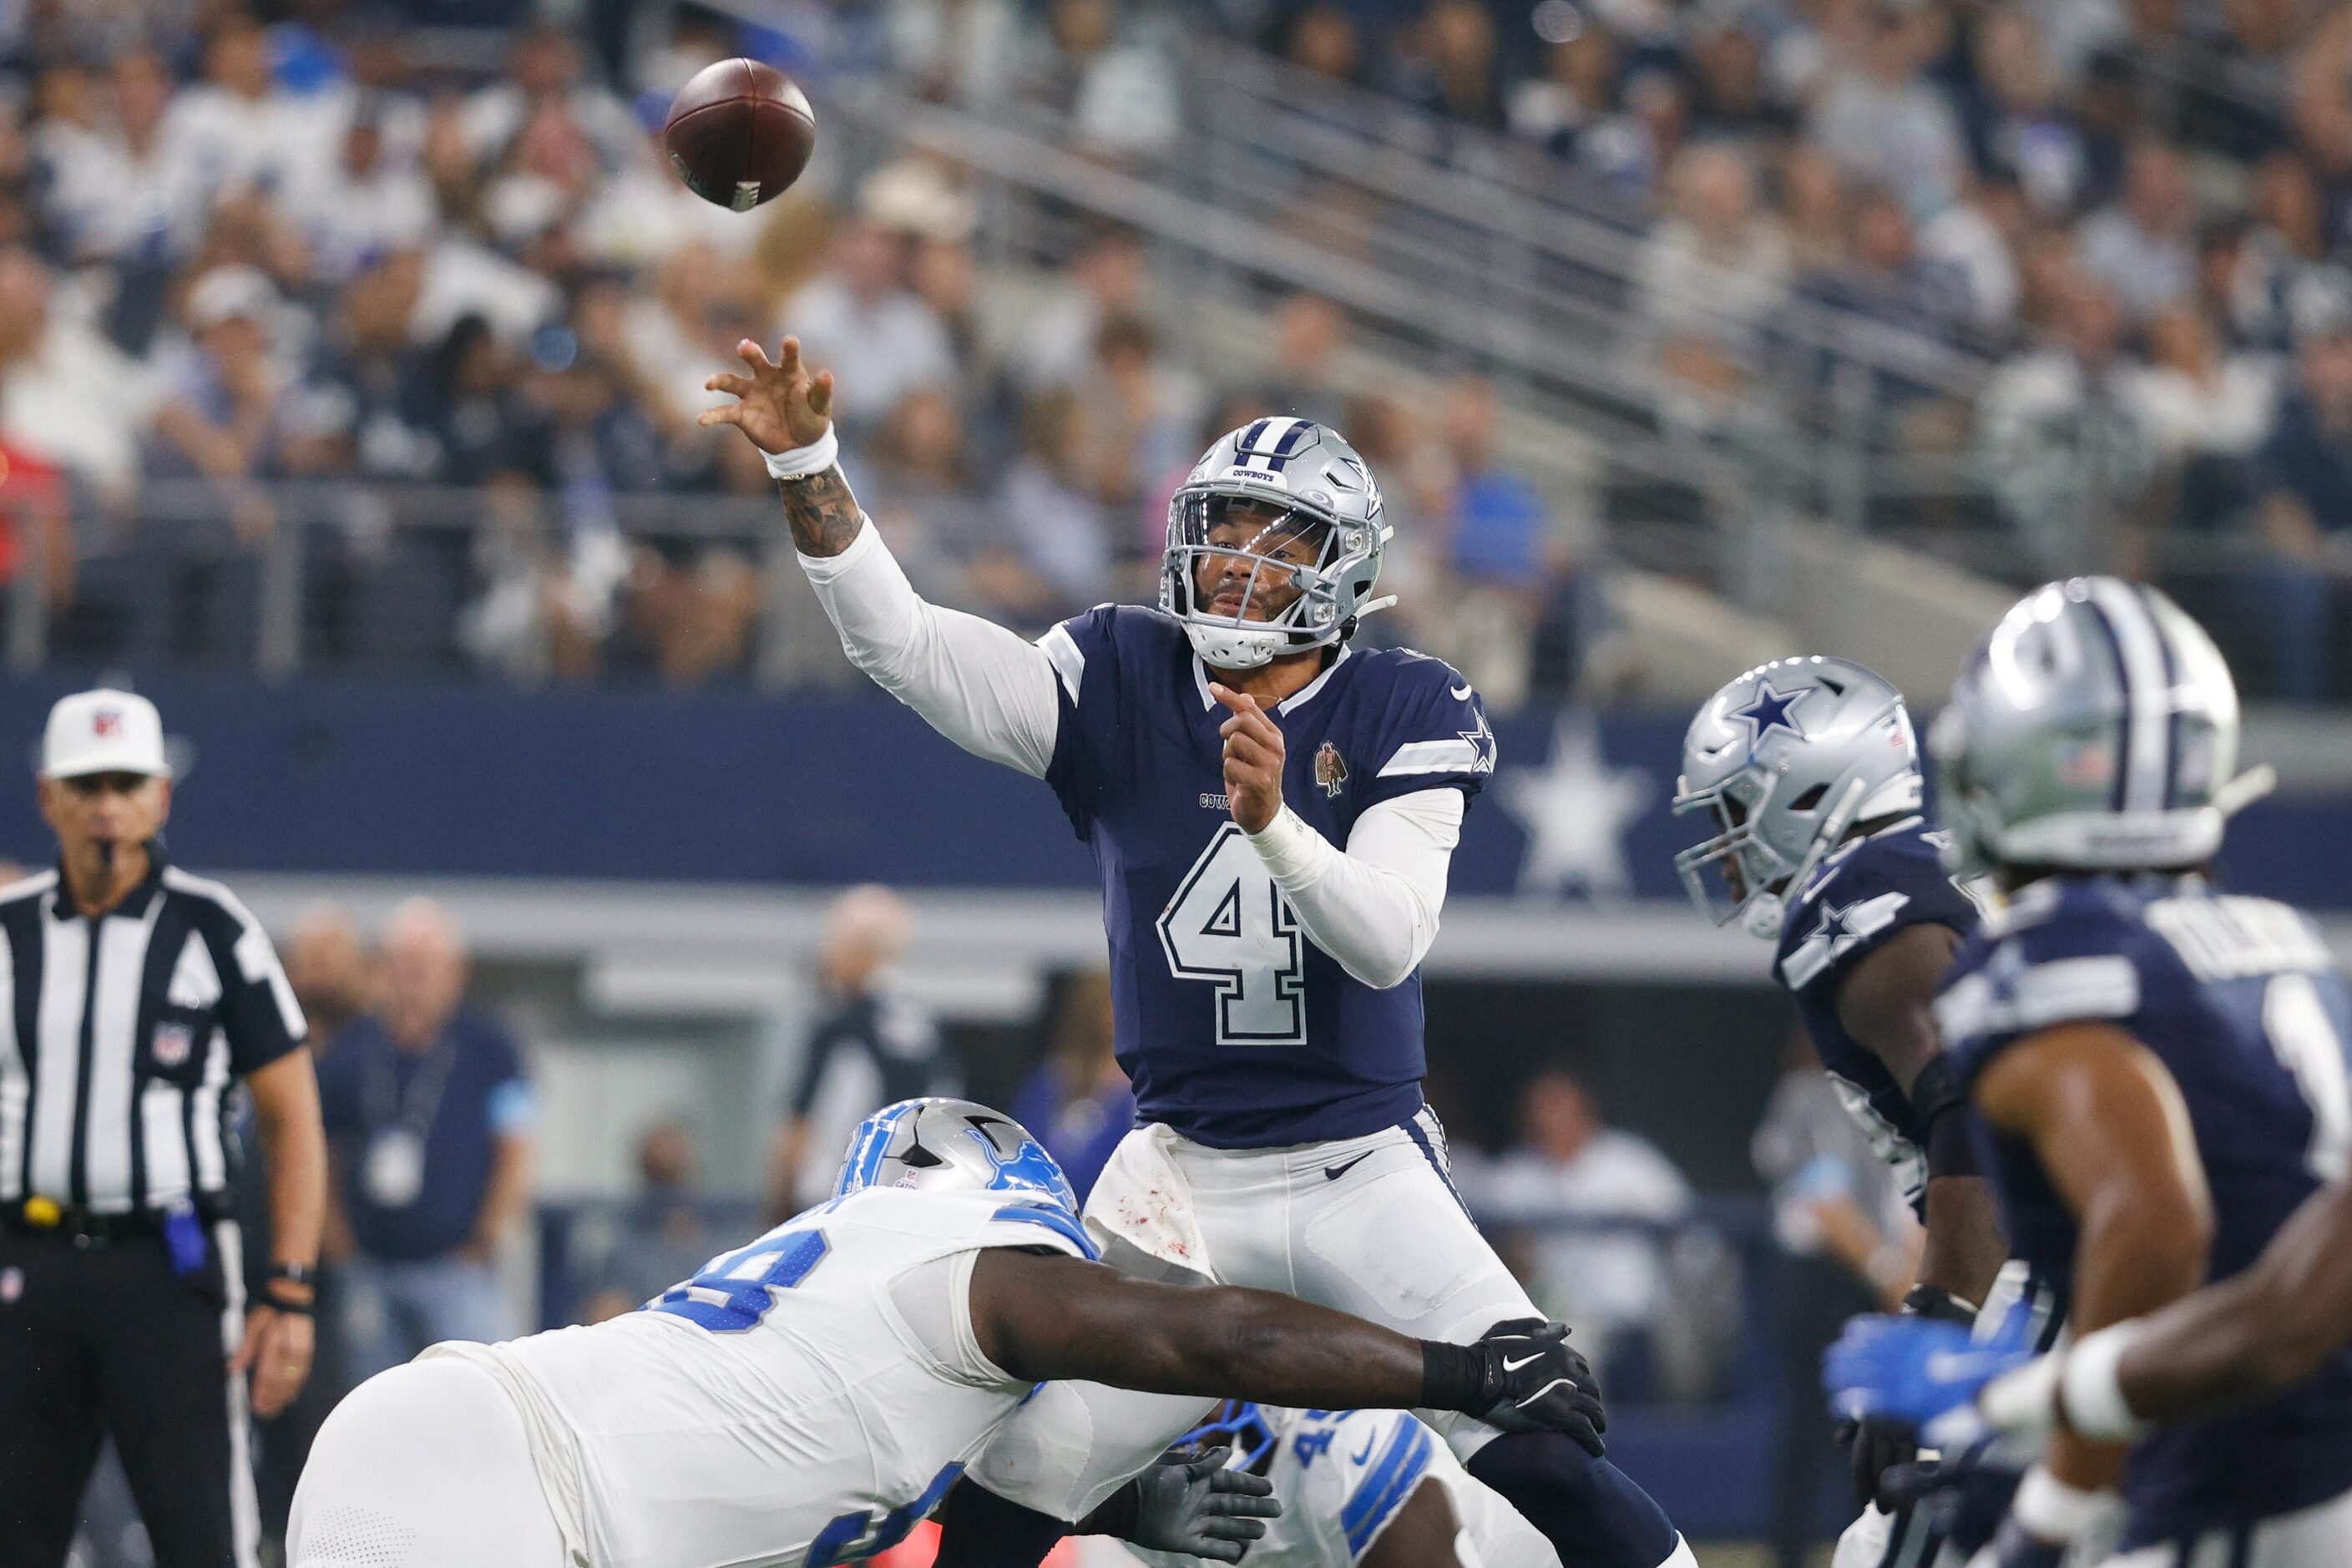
{"x":172,"y":1044}
{"x":1330,"y":770}
{"x":107,"y":721}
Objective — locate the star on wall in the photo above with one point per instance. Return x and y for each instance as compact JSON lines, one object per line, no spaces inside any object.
{"x":1575,"y":810}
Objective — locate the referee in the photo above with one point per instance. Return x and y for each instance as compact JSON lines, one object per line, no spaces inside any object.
{"x":132,"y":996}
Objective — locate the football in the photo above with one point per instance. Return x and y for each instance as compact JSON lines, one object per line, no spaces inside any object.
{"x":739,"y":134}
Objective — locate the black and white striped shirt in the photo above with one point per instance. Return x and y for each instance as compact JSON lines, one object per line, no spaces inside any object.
{"x":121,"y":1037}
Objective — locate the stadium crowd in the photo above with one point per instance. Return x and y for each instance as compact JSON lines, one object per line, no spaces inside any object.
{"x":2131,"y":213}
{"x":248,"y":256}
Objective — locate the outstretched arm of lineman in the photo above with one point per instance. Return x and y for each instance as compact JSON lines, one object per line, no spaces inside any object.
{"x":975,"y":682}
{"x":1043,"y":1317}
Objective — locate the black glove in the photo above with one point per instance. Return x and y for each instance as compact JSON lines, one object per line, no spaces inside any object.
{"x":1191,"y":1504}
{"x":1873,"y":1447}
{"x":1965,"y":1496}
{"x":1521,"y":1376}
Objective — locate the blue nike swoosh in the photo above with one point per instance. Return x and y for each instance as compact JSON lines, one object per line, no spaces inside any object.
{"x":1369,"y":1439}
{"x":1333,"y":1172}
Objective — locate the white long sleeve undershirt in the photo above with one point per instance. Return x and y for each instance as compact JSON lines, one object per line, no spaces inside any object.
{"x":1373,"y":907}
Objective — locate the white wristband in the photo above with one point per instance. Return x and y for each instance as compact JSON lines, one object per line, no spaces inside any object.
{"x":2091,"y":1390}
{"x":2051,"y":1510}
{"x":802,"y":461}
{"x":2021,"y":1401}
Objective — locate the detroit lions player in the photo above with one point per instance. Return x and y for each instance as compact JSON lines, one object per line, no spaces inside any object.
{"x":807,"y":1400}
{"x":1372,"y":1488}
{"x":1810,"y":772}
{"x":1272,"y":814}
{"x":2158,"y":1068}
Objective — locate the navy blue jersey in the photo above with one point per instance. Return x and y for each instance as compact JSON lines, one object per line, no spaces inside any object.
{"x":1853,"y":905}
{"x":2239,"y":999}
{"x":1236,"y":1030}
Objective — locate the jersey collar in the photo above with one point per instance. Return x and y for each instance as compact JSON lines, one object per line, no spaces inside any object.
{"x":1297,"y":698}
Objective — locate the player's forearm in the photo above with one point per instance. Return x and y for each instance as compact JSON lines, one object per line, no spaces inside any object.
{"x":823,"y":514}
{"x":1374,"y":907}
{"x":286,"y":1113}
{"x":980,"y":685}
{"x":1254,"y":1344}
{"x":2266,"y":1327}
{"x":1964,"y":1247}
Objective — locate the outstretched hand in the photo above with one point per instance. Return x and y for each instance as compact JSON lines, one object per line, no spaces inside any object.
{"x":780,"y":406}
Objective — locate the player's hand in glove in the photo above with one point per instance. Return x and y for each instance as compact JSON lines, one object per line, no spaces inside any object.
{"x":1912,"y":1370}
{"x":1521,"y":1376}
{"x":1195,"y":1506}
{"x":1874,"y":1445}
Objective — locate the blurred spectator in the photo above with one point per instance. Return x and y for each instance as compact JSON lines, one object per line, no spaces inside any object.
{"x":328,"y":965}
{"x":364,"y":199}
{"x":2199,"y":402}
{"x":663,"y":1238}
{"x":544,"y":69}
{"x":2144,"y":246}
{"x":866,"y":1050}
{"x":1145,"y":409}
{"x":467,"y":401}
{"x":353,"y":409}
{"x":1060,"y":551}
{"x":2066,"y":451}
{"x":1611,"y":1285}
{"x":429,"y":1114}
{"x":1120,"y":93}
{"x":67,"y":397}
{"x":224,"y":408}
{"x":1309,"y":333}
{"x":956,"y":51}
{"x":1078,"y":1102}
{"x":2302,"y":489}
{"x":1321,"y":38}
{"x":695,"y":615}
{"x":236,"y":129}
{"x":1108,"y":276}
{"x":1573,"y":94}
{"x":1712,"y":274}
{"x":2018,"y":130}
{"x":860,"y":320}
{"x":1878,"y":119}
{"x":1446,"y":63}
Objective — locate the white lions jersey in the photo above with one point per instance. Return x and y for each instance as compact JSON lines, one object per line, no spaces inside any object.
{"x":802,"y":1402}
{"x":1342,"y":1476}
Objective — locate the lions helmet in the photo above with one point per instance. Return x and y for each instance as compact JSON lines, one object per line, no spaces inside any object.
{"x":952,"y":1144}
{"x":2095,"y":729}
{"x":1786,"y":759}
{"x":1278,"y":480}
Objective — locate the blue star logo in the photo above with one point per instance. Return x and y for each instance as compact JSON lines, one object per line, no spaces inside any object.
{"x":1769,"y":711}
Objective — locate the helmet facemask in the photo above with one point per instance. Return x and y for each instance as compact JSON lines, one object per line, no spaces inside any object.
{"x":1726,"y":873}
{"x":1269,"y":547}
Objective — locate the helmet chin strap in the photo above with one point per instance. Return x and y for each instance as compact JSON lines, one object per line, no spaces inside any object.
{"x":1764,"y":914}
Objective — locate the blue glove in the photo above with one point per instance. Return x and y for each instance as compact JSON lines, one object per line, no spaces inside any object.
{"x":1915,"y":1369}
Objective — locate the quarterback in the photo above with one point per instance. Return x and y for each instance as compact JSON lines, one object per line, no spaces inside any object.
{"x":1272,"y":814}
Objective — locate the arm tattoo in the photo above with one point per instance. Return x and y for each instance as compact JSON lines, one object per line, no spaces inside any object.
{"x":823,"y":515}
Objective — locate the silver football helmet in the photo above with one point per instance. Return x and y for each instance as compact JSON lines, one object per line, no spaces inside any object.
{"x":2095,"y":729}
{"x":1786,"y":759}
{"x":1271,"y":481}
{"x":956,"y":1145}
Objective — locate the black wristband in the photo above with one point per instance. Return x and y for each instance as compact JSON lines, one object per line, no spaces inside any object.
{"x":303,"y":1274}
{"x":277,"y":1303}
{"x":1455,"y":1377}
{"x":1941,"y":1305}
{"x":1117,"y":1515}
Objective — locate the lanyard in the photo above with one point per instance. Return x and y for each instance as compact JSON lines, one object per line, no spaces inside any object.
{"x":421,"y":1102}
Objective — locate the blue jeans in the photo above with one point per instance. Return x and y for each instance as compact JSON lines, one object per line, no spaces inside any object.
{"x":394,"y":1310}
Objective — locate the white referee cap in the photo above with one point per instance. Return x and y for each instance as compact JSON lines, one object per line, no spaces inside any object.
{"x":103,"y":732}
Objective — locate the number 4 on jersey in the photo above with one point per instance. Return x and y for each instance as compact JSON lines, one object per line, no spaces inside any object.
{"x":1230,"y":926}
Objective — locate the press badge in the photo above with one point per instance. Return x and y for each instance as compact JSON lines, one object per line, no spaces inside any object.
{"x":394,"y":1172}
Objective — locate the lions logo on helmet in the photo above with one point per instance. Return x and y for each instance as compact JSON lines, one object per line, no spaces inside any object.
{"x":1786,"y":760}
{"x":956,"y":1145}
{"x":2095,"y":729}
{"x":1272,"y":482}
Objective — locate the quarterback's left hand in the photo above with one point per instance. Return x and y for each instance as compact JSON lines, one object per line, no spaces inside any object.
{"x":1254,"y":758}
{"x":1912,"y":1369}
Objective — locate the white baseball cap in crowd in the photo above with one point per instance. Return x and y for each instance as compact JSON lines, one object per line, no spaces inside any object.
{"x":103,"y":732}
